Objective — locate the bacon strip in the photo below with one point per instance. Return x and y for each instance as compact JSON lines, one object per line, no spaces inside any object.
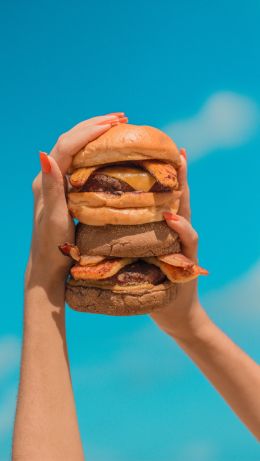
{"x":180,"y":269}
{"x":164,"y":173}
{"x":73,"y":252}
{"x":100,"y":271}
{"x":86,"y":260}
{"x":177,"y":260}
{"x":181,"y":275}
{"x":80,"y":176}
{"x":70,"y":250}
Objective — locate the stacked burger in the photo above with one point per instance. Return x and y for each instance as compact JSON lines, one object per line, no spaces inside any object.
{"x":127,"y":260}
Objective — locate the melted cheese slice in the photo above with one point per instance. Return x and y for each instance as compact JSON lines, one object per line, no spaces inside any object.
{"x":139,"y":179}
{"x":100,"y":271}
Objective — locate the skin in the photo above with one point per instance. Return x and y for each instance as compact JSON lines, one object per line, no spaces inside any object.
{"x":46,"y":423}
{"x":232,"y":372}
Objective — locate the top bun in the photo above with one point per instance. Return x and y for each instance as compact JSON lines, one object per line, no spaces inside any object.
{"x":125,"y":142}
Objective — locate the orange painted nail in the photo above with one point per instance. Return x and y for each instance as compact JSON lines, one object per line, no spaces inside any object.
{"x":123,"y":120}
{"x":45,"y":162}
{"x":183,"y":152}
{"x":171,"y":216}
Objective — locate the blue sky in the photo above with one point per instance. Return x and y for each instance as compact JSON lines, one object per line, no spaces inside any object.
{"x":191,"y":68}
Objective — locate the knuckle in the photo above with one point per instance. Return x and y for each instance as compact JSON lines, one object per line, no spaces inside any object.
{"x":53,"y":221}
{"x":36,"y":184}
{"x":62,"y":143}
{"x":195,"y":237}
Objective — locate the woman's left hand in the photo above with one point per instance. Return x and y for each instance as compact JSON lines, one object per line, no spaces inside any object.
{"x":53,"y":223}
{"x":185,"y":314}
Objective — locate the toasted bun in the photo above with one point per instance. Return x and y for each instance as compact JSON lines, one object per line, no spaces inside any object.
{"x":128,"y":142}
{"x":117,"y":216}
{"x":99,"y":301}
{"x":125,"y":200}
{"x":152,"y":239}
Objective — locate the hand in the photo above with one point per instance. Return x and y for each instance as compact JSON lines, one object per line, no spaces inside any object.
{"x":53,"y":224}
{"x":186,"y":314}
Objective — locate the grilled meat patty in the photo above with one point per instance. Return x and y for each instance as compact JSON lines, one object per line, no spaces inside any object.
{"x":99,"y":182}
{"x":138,"y":272}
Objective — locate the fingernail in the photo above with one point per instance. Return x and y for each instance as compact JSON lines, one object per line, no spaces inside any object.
{"x":45,"y":162}
{"x":113,"y":121}
{"x":170,"y":216}
{"x":183,"y":152}
{"x":119,"y":114}
{"x":123,"y":120}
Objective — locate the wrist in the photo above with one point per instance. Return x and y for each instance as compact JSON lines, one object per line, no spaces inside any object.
{"x":45,"y":272}
{"x":48,"y":282}
{"x":192,"y":327}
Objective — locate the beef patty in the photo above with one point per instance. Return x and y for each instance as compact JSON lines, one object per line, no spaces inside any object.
{"x":138,"y":272}
{"x":100,"y":182}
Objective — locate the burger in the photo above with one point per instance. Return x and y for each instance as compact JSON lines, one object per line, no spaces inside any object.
{"x":126,"y":260}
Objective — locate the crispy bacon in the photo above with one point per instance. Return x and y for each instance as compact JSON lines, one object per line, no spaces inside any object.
{"x":80,"y":176}
{"x":84,"y":260}
{"x":164,"y":173}
{"x":181,"y":275}
{"x":178,"y":269}
{"x":90,"y":260}
{"x":100,"y":271}
{"x":70,"y":250}
{"x":177,"y":260}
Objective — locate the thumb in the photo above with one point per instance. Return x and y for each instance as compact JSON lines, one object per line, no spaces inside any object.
{"x":53,"y":192}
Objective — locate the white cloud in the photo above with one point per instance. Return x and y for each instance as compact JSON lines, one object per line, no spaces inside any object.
{"x":9,"y":355}
{"x":225,"y":120}
{"x":242,"y":296}
{"x":199,"y":450}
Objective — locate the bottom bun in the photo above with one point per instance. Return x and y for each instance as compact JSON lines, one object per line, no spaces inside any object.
{"x":99,"y":301}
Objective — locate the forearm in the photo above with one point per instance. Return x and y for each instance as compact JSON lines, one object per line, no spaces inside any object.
{"x":46,"y":423}
{"x":233,"y":373}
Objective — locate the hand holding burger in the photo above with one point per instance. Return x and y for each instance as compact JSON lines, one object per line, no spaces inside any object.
{"x":53,"y":223}
{"x":181,"y":320}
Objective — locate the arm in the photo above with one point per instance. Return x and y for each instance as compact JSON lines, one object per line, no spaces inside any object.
{"x":46,"y":425}
{"x":232,"y":372}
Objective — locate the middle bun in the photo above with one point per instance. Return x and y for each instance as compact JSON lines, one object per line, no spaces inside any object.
{"x":151,"y":239}
{"x":124,"y":200}
{"x":100,"y":216}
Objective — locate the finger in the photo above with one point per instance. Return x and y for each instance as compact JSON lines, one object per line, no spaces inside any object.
{"x":75,"y":139}
{"x":71,"y":142}
{"x":188,"y":235}
{"x":102,"y":119}
{"x":53,"y":193}
{"x":184,"y":209}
